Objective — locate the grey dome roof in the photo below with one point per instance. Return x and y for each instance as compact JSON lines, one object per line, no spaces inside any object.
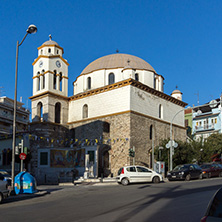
{"x":118,"y":60}
{"x":50,"y":42}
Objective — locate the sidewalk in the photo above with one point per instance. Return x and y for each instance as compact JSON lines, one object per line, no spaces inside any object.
{"x":92,"y":181}
{"x":15,"y":197}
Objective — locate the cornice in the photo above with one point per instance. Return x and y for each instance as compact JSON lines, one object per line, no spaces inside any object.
{"x":127,"y":82}
{"x":47,"y":93}
{"x":42,"y":46}
{"x":52,"y":56}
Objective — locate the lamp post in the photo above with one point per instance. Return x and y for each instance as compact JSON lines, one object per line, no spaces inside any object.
{"x":31,"y":29}
{"x":171,"y":140}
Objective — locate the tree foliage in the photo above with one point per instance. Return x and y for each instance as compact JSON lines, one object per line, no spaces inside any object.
{"x":191,"y":151}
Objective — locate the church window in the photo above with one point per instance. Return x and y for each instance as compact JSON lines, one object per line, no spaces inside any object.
{"x":89,"y":83}
{"x":57,"y":51}
{"x":85,"y":111}
{"x":111,"y":78}
{"x":160,"y":111}
{"x":39,"y":112}
{"x":43,"y":79}
{"x":137,"y":77}
{"x":49,"y":50}
{"x":54,"y":80}
{"x":154,"y":83}
{"x":57,"y":112}
{"x":38,"y":81}
{"x":151,"y":132}
{"x":60,"y":81}
{"x":41,"y":51}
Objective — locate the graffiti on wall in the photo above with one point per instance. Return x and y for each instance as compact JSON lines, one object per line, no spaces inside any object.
{"x":67,"y":158}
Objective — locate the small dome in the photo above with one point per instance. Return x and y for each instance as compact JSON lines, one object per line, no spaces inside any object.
{"x":118,"y":60}
{"x":176,"y":91}
{"x":50,"y":42}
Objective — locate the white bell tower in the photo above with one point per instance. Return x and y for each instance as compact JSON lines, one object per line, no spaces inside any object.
{"x":50,"y":84}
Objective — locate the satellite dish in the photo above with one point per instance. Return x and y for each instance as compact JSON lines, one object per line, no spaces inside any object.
{"x":213,"y":103}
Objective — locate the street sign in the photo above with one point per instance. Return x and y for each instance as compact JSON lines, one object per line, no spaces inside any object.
{"x":22,"y":156}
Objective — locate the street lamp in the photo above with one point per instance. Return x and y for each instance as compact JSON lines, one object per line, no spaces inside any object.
{"x":31,"y":29}
{"x":171,"y":140}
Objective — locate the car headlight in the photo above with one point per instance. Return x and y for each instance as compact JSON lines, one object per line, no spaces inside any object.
{"x":169,"y":174}
{"x":181,"y":173}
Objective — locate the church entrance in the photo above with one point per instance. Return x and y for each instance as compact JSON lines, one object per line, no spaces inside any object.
{"x":104,"y":161}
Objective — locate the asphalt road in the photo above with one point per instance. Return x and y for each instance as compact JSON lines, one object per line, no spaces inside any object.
{"x":170,"y":201}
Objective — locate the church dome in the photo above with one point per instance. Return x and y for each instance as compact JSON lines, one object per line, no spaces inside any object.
{"x":50,"y":42}
{"x":118,"y":60}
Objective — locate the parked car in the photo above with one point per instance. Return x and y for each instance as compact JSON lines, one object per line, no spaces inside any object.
{"x":6,"y":177}
{"x":185,"y":172}
{"x":211,"y":170}
{"x":213,"y":212}
{"x":4,"y":191}
{"x":136,"y":174}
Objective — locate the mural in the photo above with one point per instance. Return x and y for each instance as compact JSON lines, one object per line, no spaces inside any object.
{"x":67,"y":158}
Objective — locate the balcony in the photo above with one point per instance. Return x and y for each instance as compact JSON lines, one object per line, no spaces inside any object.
{"x":205,"y":127}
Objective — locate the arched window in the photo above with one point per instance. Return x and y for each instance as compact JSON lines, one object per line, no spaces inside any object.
{"x":60,"y":81}
{"x":49,"y":50}
{"x":111,"y":78}
{"x":41,"y":51}
{"x":43,"y":79}
{"x":38,"y":81}
{"x":85,"y":111}
{"x":89,"y":83}
{"x":151,"y":132}
{"x":54,"y":80}
{"x":160,"y":111}
{"x":57,"y":112}
{"x":39,"y":112}
{"x":137,"y":77}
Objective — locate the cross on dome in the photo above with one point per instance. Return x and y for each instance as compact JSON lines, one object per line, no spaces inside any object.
{"x":50,"y":37}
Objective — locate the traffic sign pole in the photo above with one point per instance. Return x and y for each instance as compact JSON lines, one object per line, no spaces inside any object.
{"x":22,"y":151}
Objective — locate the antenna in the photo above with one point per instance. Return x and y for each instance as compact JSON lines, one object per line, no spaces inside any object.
{"x":197,"y":98}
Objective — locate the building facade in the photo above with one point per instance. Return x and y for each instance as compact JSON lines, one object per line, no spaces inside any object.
{"x":207,"y":120}
{"x":6,"y":129}
{"x":117,"y":103}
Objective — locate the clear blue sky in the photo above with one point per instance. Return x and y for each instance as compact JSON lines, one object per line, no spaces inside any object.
{"x":180,"y":39}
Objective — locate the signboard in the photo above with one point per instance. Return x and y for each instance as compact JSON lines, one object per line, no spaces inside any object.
{"x":22,"y":156}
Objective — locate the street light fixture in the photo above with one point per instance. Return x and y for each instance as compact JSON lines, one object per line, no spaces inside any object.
{"x":31,"y":29}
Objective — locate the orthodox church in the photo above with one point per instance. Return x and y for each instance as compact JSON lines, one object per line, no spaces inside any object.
{"x":117,"y":104}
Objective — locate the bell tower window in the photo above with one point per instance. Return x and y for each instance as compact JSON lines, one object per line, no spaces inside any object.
{"x":57,"y":112}
{"x":38,"y":81}
{"x":89,"y":83}
{"x":54,"y":80}
{"x":39,"y":112}
{"x":49,"y":50}
{"x":60,"y":81}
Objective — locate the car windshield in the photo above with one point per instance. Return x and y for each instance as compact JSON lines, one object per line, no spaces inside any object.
{"x":181,"y":167}
{"x":205,"y":166}
{"x":4,"y":173}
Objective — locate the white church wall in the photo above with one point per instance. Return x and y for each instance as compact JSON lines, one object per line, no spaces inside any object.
{"x":148,"y":104}
{"x":106,"y":103}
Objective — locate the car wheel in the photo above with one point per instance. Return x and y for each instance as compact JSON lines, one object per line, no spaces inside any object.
{"x":125,"y":181}
{"x":209,"y":175}
{"x":156,"y":180}
{"x":1,"y":197}
{"x":187,"y":178}
{"x":201,"y":176}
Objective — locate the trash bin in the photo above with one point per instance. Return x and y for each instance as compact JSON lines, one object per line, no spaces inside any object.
{"x":25,"y":183}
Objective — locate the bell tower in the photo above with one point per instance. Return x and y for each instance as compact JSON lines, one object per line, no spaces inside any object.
{"x":50,"y":84}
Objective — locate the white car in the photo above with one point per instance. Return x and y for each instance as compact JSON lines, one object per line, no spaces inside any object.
{"x":136,"y":174}
{"x":4,"y":191}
